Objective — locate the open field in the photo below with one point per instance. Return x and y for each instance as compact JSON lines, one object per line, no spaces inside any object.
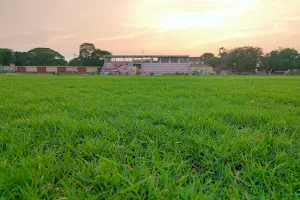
{"x":154,"y":137}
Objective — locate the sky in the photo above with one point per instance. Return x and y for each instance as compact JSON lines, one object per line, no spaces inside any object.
{"x":184,"y":27}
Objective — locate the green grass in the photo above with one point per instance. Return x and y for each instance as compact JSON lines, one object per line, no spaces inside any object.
{"x":155,"y":137}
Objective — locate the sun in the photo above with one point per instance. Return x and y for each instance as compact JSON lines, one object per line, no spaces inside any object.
{"x":186,"y":20}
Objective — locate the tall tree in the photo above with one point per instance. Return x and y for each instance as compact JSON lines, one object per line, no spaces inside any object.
{"x":89,"y":56}
{"x":86,"y":50}
{"x":6,"y":57}
{"x":44,"y":56}
{"x":244,"y":58}
{"x":86,"y":54}
{"x":223,"y":52}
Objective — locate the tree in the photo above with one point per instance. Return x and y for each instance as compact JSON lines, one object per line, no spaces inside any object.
{"x":20,"y":58}
{"x":98,"y":56}
{"x":75,"y":62}
{"x":214,"y":62}
{"x":6,"y":57}
{"x":223,"y":52}
{"x":86,"y":51}
{"x":207,"y":56}
{"x":271,"y":60}
{"x":43,"y":56}
{"x":282,"y":59}
{"x":297,"y":63}
{"x":244,"y":58}
{"x":1,"y":57}
{"x":89,"y":56}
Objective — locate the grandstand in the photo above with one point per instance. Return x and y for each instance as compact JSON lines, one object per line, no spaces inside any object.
{"x":116,"y":68}
{"x":146,"y":64}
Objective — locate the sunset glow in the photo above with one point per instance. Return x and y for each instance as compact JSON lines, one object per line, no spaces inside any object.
{"x":151,"y":26}
{"x":211,"y":19}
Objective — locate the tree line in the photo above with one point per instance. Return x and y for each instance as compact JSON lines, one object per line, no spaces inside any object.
{"x":241,"y":59}
{"x":246,"y":59}
{"x":89,"y":55}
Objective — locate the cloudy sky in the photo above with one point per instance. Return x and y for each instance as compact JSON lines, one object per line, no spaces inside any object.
{"x":189,"y":27}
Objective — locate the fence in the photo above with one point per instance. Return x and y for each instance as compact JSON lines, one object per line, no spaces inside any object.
{"x":51,"y":69}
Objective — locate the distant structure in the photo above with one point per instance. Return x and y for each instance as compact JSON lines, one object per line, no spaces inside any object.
{"x":199,"y":67}
{"x":128,"y":64}
{"x":146,"y":64}
{"x":53,"y":69}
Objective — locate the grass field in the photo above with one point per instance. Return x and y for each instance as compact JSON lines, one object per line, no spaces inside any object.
{"x":154,"y":137}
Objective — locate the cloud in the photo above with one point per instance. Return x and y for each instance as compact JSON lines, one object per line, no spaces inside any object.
{"x":120,"y":37}
{"x":56,"y":29}
{"x":54,"y":39}
{"x":134,"y":25}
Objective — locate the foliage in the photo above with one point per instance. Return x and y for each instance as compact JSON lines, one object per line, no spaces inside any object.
{"x":6,"y":57}
{"x":241,"y":59}
{"x":20,"y":58}
{"x":282,"y":59}
{"x":207,"y":56}
{"x":97,"y":56}
{"x":223,"y":52}
{"x":219,"y":62}
{"x":86,"y":51}
{"x":155,"y":137}
{"x":297,"y":62}
{"x":89,"y":56}
{"x":215,"y":62}
{"x":44,"y":57}
{"x":75,"y":62}
{"x":244,"y":58}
